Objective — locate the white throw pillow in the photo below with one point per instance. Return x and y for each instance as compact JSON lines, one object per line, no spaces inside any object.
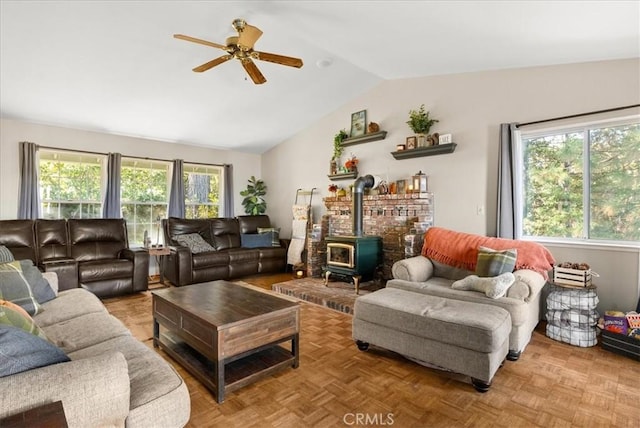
{"x":494,"y":287}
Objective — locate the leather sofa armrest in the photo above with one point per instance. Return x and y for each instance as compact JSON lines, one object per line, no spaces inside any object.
{"x":414,"y":269}
{"x":527,"y":286}
{"x":178,"y":266}
{"x":140,"y":259}
{"x":65,"y":269}
{"x":94,"y":391}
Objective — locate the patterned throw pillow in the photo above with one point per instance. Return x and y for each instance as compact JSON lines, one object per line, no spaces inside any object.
{"x":493,"y":263}
{"x":22,"y":351}
{"x":40,"y":287}
{"x":493,"y":288}
{"x":274,"y":232}
{"x":5,"y":255}
{"x":195,"y":242}
{"x":13,"y":315}
{"x":15,"y":288}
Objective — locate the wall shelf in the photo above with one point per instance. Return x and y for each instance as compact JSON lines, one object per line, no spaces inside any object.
{"x":343,"y":176}
{"x":418,"y":152}
{"x":366,"y":138}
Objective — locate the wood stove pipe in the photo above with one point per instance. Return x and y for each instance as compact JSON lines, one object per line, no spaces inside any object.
{"x":368,"y":181}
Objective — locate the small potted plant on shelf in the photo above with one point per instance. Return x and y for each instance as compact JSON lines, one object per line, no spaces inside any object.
{"x":420,"y":123}
{"x":337,"y":150}
{"x":352,"y":163}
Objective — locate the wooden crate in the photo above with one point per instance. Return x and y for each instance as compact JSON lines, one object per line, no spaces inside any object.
{"x":572,"y":277}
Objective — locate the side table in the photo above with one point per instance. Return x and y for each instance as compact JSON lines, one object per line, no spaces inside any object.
{"x":159,"y":253}
{"x":571,"y":314}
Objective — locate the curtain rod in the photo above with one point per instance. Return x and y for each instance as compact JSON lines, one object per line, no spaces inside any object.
{"x":127,"y":156}
{"x":571,"y":116}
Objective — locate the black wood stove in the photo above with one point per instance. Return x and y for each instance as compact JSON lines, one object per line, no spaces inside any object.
{"x":355,"y":257}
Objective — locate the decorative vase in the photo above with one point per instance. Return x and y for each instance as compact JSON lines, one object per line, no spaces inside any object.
{"x":422,"y":140}
{"x":333,"y":167}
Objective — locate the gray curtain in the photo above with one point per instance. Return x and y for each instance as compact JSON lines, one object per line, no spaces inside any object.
{"x":228,"y":191}
{"x":111,"y":206}
{"x":29,"y":196}
{"x":508,"y":202}
{"x":176,"y":197}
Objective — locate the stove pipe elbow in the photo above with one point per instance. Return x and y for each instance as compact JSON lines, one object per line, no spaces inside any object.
{"x":366,"y":182}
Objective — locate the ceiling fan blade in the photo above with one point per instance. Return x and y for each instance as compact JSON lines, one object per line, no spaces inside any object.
{"x":253,"y":71}
{"x":208,"y":65}
{"x":248,"y":36}
{"x":278,"y":59}
{"x":200,"y":41}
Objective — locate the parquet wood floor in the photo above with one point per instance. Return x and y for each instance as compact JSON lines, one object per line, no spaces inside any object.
{"x":551,"y":385}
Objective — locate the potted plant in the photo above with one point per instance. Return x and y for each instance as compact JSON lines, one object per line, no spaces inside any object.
{"x":420,"y":123}
{"x":337,"y":150}
{"x":253,"y":202}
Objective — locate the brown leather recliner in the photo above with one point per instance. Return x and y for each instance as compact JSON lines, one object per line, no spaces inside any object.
{"x":106,"y":264}
{"x":228,"y":260}
{"x":89,"y":253}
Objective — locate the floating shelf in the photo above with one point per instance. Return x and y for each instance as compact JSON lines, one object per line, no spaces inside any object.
{"x":344,"y":176}
{"x":439,"y":149}
{"x":366,"y":138}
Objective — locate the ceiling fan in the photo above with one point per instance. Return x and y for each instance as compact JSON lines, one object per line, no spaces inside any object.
{"x":240,"y":47}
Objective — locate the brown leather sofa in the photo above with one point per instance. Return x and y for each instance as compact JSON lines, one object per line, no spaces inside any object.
{"x":90,"y":253}
{"x":228,"y":259}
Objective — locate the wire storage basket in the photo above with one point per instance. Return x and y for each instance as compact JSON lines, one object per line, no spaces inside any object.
{"x":572,"y":316}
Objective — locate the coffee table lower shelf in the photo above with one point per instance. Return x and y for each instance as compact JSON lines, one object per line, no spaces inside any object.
{"x":239,"y":371}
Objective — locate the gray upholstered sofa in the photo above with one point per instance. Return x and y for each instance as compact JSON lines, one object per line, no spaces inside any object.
{"x":449,"y":256}
{"x":112,"y":379}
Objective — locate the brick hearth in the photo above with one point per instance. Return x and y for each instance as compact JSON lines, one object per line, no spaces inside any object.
{"x":389,"y":216}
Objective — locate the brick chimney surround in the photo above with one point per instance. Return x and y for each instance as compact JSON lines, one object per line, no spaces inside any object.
{"x":390,"y":216}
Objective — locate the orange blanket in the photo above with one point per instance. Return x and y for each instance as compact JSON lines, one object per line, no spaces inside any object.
{"x":461,"y":250}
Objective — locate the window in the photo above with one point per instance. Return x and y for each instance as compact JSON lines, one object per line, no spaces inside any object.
{"x":582,"y":182}
{"x":202,"y":184}
{"x":70,"y":184}
{"x":144,"y":197}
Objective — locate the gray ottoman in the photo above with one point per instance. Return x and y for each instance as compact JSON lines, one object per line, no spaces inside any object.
{"x":464,"y":337}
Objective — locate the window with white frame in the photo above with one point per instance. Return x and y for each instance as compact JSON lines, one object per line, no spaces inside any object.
{"x":70,"y":184}
{"x":144,"y":196}
{"x":202,"y":190}
{"x":582,"y":182}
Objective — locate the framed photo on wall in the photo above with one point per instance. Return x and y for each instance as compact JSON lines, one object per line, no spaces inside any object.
{"x":358,"y":123}
{"x":412,"y":143}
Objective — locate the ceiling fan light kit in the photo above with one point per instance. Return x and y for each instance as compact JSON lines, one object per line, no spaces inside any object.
{"x":240,"y":47}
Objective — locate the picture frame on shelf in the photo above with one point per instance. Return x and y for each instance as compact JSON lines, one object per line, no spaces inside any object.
{"x":444,"y":139}
{"x":401,"y":186}
{"x":358,"y":123}
{"x":412,"y":142}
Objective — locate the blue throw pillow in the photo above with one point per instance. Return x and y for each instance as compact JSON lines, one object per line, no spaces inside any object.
{"x":255,"y":240}
{"x":21,"y":351}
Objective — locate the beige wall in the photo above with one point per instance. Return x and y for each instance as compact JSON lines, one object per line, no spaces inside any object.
{"x":13,"y":131}
{"x":470,"y":106}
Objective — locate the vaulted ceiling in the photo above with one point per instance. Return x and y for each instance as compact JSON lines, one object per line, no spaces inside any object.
{"x":113,"y":66}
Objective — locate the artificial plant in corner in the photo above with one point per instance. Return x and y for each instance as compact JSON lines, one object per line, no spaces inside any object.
{"x":253,"y":202}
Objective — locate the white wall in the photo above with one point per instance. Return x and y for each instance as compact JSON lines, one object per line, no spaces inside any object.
{"x":14,"y":131}
{"x":470,"y":106}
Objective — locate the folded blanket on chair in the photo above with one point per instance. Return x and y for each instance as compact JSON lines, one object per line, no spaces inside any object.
{"x":461,"y":250}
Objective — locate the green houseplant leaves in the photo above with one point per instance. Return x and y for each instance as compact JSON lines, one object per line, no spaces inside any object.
{"x":253,"y":202}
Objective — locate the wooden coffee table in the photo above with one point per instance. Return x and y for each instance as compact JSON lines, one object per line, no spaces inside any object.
{"x":226,"y":335}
